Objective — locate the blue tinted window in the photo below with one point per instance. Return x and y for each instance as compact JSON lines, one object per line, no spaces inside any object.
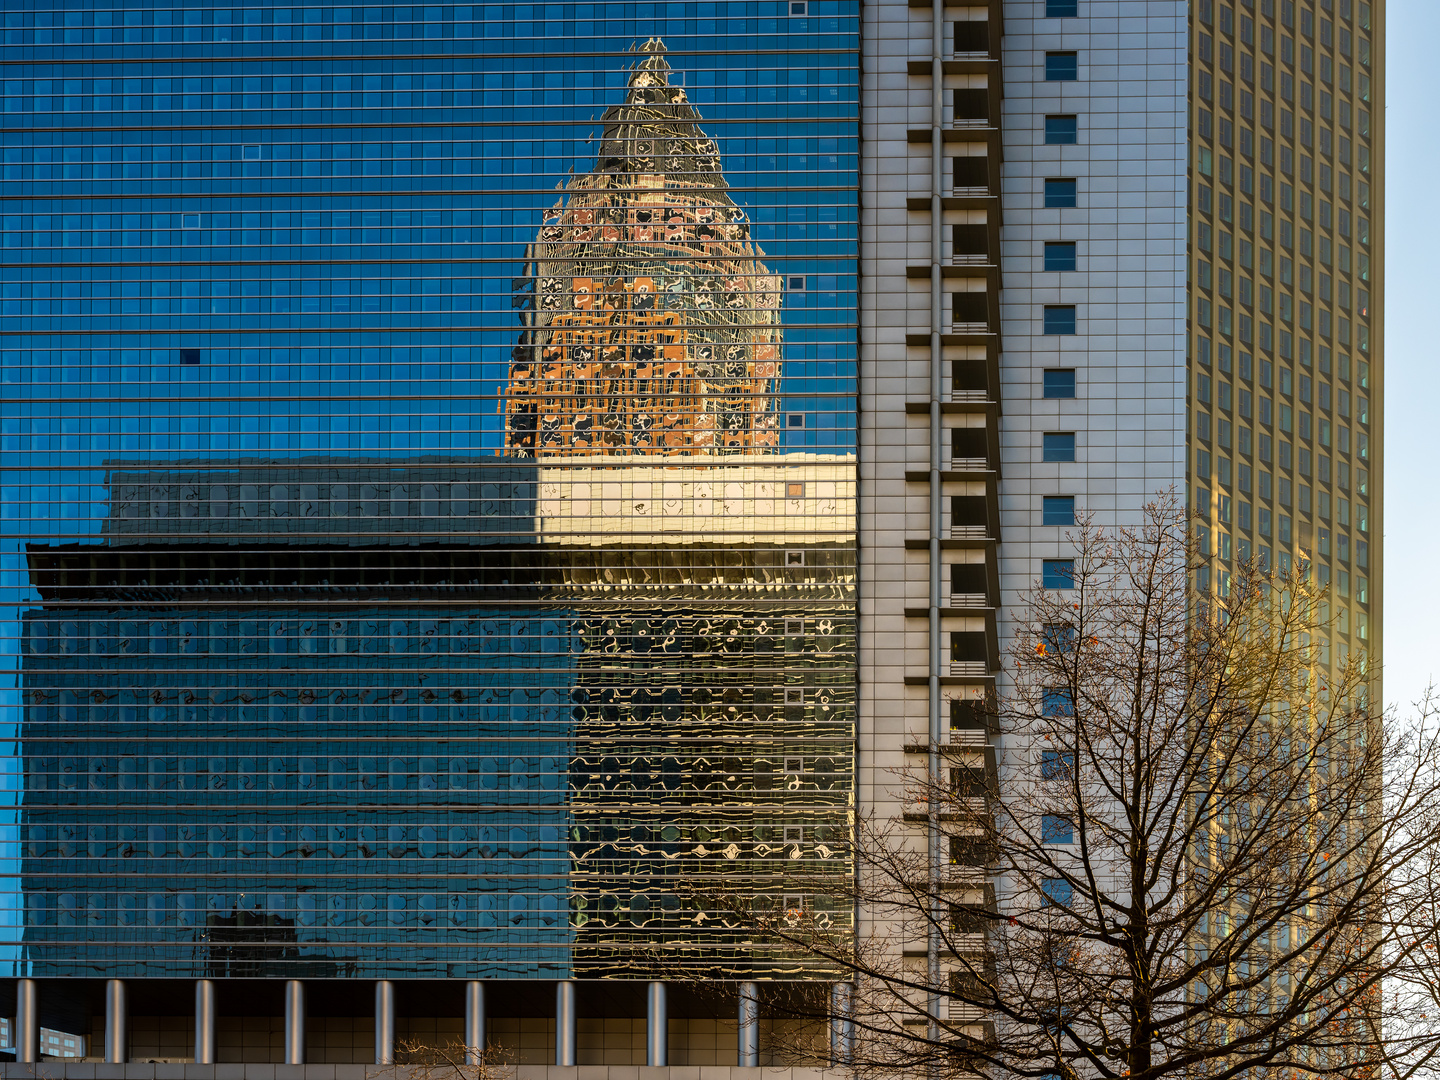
{"x":1059,"y":382}
{"x":1055,"y":764}
{"x":1056,"y":829}
{"x":1059,"y":255}
{"x":1062,"y":9}
{"x":1060,"y":318}
{"x":1058,"y":638}
{"x":1057,"y":510}
{"x":1062,"y":67}
{"x":1057,"y":891}
{"x":1057,"y":573}
{"x":1060,"y":192}
{"x":1058,"y":702}
{"x":1061,"y":130}
{"x":1058,"y":446}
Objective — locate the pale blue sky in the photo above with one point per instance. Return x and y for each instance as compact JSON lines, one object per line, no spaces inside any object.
{"x":1412,"y":343}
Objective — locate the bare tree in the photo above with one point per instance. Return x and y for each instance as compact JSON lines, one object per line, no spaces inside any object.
{"x":1206,"y":855}
{"x":416,"y":1059}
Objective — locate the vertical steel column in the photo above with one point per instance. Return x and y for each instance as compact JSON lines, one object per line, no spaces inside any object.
{"x":384,"y":1022}
{"x":294,"y":1022}
{"x":565,"y":1023}
{"x":657,"y":1026}
{"x":842,"y":1025}
{"x":204,"y":1022}
{"x":748,"y":1056}
{"x":116,"y":1022}
{"x":27,"y":1021}
{"x":474,"y":1022}
{"x":937,"y":449}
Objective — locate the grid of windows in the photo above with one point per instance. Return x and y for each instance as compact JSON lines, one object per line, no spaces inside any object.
{"x":360,"y":629}
{"x":1283,"y":349}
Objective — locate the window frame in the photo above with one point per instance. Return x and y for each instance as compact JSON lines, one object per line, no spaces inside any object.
{"x":1062,"y":129}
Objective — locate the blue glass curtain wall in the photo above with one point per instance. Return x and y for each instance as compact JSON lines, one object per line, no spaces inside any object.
{"x":429,"y":490}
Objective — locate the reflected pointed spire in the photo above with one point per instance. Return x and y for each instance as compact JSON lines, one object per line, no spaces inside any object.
{"x":651,"y":324}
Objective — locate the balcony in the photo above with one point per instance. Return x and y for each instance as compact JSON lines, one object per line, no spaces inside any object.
{"x":969,"y":738}
{"x":969,"y":669}
{"x":969,"y":601}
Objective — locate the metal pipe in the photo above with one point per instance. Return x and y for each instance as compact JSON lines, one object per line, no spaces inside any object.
{"x":748,"y":1056}
{"x":842,"y":1024}
{"x":204,"y":1022}
{"x":384,"y":1022}
{"x":657,"y":1026}
{"x":116,"y":1022}
{"x":937,"y":450}
{"x":565,"y":1023}
{"x":294,"y":1022}
{"x":27,"y":1020}
{"x":474,"y":1022}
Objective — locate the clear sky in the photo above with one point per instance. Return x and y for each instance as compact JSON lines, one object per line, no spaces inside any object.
{"x":1412,"y":343}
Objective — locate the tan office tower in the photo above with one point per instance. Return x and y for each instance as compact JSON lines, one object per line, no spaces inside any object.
{"x":1286,"y":257}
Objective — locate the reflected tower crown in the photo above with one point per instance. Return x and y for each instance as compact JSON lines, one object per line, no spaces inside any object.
{"x":651,"y":323}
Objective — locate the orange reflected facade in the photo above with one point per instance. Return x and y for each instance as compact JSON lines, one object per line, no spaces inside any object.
{"x":651,"y":324}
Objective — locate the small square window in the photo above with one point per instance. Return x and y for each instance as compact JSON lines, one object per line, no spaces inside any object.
{"x":794,"y":695}
{"x":1057,"y":574}
{"x":1062,"y":66}
{"x":795,"y":906}
{"x":250,"y":153}
{"x":1062,"y":9}
{"x":1060,"y":192}
{"x":794,"y":834}
{"x":1061,"y":130}
{"x":799,"y":7}
{"x":794,"y":627}
{"x":189,"y":221}
{"x":794,"y":558}
{"x":1057,"y":510}
{"x":793,"y":767}
{"x":1059,"y":255}
{"x":795,"y":282}
{"x":1057,"y":701}
{"x":795,"y":489}
{"x":189,"y":356}
{"x":1057,"y":892}
{"x":1059,"y":319}
{"x":1056,"y":829}
{"x":1059,"y":382}
{"x":795,"y":421}
{"x":1058,"y":446}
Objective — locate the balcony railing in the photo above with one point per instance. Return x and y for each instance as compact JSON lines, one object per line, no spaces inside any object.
{"x":968,"y":669}
{"x":969,"y":600}
{"x":970,"y":258}
{"x":958,"y":327}
{"x":969,"y":464}
{"x":970,"y":738}
{"x":969,"y":532}
{"x":972,"y":192}
{"x":961,"y":395}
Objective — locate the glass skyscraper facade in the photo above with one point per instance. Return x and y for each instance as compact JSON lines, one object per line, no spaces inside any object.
{"x":429,"y":496}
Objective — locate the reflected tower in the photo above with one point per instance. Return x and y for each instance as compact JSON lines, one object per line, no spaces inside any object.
{"x":652,"y":325}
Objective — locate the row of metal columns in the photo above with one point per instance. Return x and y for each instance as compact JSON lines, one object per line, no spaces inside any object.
{"x":657,"y":1018}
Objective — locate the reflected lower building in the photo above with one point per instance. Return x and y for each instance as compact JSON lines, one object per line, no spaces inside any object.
{"x":651,"y":324}
{"x":595,"y":706}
